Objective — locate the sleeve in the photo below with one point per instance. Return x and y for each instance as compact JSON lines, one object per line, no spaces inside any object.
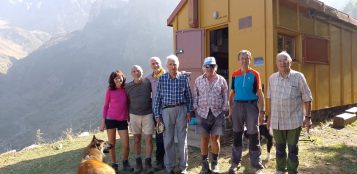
{"x":258,"y":81}
{"x":269,"y":88}
{"x":304,"y":88}
{"x":157,"y":101}
{"x":195,"y":95}
{"x":225,"y":95}
{"x":188,"y":96}
{"x":232,"y":84}
{"x":106,"y":103}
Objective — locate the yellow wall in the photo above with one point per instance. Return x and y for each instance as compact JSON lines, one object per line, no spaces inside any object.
{"x":354,"y":67}
{"x":253,"y":38}
{"x":322,"y":82}
{"x":206,"y":9}
{"x":288,"y":15}
{"x":182,"y":18}
{"x":333,"y":84}
{"x":346,"y":68}
{"x":335,"y":66}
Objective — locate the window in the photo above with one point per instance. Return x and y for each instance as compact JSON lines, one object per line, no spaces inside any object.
{"x":315,"y":50}
{"x":286,"y":43}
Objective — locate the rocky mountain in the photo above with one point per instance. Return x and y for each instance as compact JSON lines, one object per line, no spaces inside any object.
{"x":52,"y":16}
{"x":62,"y":84}
{"x":17,"y":43}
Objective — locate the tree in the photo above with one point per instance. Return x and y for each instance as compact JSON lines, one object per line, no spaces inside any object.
{"x":351,"y":8}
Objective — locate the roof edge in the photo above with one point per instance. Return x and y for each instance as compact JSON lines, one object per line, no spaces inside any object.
{"x":175,"y":12}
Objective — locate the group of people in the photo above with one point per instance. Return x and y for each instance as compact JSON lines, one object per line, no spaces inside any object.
{"x":166,"y":98}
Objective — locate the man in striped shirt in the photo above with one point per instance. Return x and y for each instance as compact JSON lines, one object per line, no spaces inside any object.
{"x":173,"y":104}
{"x":288,"y":95}
{"x":210,"y":103}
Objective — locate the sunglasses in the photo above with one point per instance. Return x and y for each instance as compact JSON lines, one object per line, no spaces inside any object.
{"x":210,"y":66}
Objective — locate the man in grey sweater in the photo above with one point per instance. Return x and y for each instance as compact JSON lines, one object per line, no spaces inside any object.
{"x":141,"y":117}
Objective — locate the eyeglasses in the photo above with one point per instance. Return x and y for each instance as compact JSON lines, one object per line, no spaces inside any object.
{"x":209,"y":66}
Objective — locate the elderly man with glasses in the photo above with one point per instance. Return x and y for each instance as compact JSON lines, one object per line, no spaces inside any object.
{"x":210,"y":103}
{"x":172,"y":106}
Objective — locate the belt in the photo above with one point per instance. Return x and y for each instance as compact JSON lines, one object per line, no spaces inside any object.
{"x":171,"y":106}
{"x":245,"y":101}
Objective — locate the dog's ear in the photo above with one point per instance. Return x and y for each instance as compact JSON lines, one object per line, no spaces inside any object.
{"x":94,"y":138}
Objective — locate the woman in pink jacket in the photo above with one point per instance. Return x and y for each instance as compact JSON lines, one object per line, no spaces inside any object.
{"x":115,"y":117}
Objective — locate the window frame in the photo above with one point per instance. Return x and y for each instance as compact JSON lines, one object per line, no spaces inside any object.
{"x":293,"y":47}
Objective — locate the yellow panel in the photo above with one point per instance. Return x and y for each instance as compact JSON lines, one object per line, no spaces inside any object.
{"x":306,"y":22}
{"x":335,"y":66}
{"x":309,"y":72}
{"x":322,"y":87}
{"x":270,"y":41}
{"x":207,"y":10}
{"x":288,"y":15}
{"x":322,"y":29}
{"x":354,"y":65}
{"x":346,"y":67}
{"x":252,"y":38}
{"x":182,"y":18}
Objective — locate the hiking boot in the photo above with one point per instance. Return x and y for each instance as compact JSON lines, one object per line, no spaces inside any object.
{"x":159,"y":165}
{"x":258,"y":171}
{"x":182,"y":171}
{"x":214,"y":167}
{"x":169,"y":172}
{"x":139,"y":165}
{"x":205,"y":167}
{"x":127,"y":167}
{"x":234,"y":168}
{"x":259,"y":166}
{"x":148,"y":166}
{"x":115,"y":166}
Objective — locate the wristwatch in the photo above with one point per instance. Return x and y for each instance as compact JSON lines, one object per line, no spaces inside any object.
{"x":262,"y":111}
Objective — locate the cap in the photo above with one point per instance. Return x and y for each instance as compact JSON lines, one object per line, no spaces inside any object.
{"x":209,"y":61}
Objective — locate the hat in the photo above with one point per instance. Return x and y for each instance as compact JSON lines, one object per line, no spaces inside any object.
{"x":209,"y":61}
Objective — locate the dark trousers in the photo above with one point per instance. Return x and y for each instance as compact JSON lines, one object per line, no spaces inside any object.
{"x":160,"y":148}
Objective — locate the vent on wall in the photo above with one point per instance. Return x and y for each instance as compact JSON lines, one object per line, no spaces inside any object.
{"x":315,"y":50}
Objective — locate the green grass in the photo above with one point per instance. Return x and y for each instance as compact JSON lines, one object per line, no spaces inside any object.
{"x":329,"y":151}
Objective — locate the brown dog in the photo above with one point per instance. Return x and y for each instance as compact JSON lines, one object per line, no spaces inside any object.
{"x":92,"y":160}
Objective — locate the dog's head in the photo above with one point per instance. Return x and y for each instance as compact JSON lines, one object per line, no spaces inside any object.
{"x":101,"y":145}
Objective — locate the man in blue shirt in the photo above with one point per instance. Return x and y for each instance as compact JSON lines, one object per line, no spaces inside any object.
{"x":173,"y":104}
{"x":246,"y":109}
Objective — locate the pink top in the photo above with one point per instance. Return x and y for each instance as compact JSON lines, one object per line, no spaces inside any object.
{"x":115,"y":105}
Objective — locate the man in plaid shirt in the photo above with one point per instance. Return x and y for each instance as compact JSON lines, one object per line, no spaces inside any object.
{"x":173,"y":104}
{"x":210,"y":103}
{"x":288,"y":95}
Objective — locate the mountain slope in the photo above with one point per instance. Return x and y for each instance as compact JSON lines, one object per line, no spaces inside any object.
{"x":62,"y":84}
{"x":17,"y":43}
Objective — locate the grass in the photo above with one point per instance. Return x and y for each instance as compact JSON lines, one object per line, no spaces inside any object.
{"x":325,"y":150}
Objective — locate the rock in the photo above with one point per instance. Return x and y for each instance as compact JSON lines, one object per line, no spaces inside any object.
{"x":83,"y":134}
{"x":31,"y":147}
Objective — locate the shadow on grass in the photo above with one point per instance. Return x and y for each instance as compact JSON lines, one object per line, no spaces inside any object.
{"x":338,"y":158}
{"x":66,"y":162}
